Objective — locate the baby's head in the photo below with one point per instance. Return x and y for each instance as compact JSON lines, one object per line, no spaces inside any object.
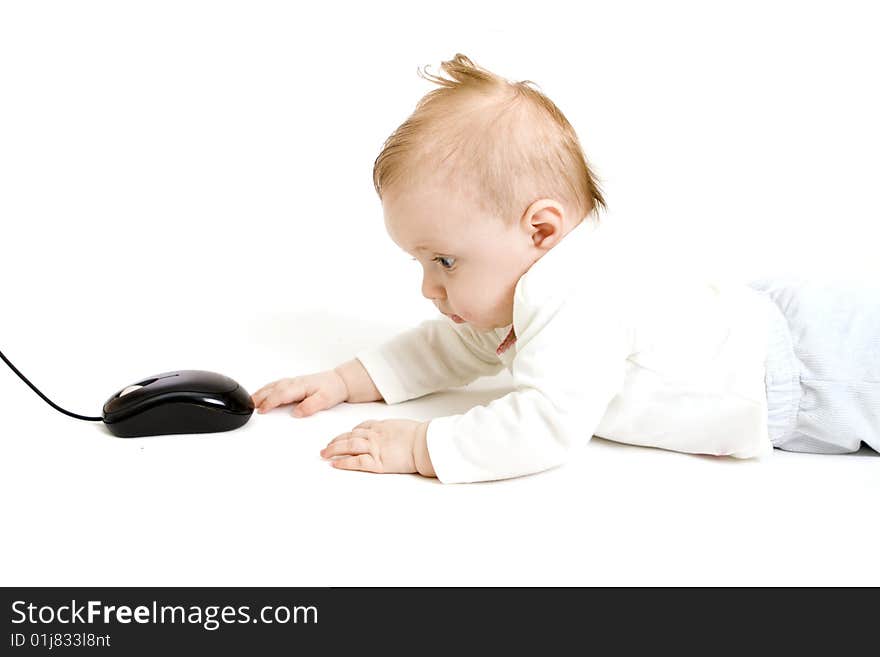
{"x":484,"y":178}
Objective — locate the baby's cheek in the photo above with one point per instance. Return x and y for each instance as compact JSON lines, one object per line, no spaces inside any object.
{"x":483,"y":304}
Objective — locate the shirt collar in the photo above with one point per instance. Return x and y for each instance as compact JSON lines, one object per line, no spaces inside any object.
{"x":567,"y":247}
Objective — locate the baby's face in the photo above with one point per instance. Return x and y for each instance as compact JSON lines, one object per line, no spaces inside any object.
{"x":471,"y":261}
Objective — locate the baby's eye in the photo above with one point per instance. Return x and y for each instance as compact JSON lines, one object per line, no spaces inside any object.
{"x":446,"y":263}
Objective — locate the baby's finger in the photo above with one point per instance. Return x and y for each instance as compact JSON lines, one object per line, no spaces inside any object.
{"x":349,"y":434}
{"x":346,"y":447}
{"x":261,"y":394}
{"x":283,"y":394}
{"x":260,"y":400}
{"x":311,"y":404}
{"x":362,"y":462}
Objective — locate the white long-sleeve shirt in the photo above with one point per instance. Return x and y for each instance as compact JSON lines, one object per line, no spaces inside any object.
{"x":598,"y":346}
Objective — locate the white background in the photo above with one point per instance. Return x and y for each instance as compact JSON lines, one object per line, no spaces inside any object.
{"x":187,"y":185}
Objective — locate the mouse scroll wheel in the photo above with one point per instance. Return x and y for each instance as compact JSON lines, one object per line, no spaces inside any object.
{"x":129,"y":389}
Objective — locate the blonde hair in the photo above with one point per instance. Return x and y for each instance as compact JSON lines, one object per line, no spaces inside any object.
{"x":503,"y":141}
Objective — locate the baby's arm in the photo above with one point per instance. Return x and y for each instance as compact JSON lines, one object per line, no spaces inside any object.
{"x":433,"y":356}
{"x":358,"y":382}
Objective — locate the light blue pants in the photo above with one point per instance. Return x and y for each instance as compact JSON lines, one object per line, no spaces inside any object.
{"x":823,"y":365}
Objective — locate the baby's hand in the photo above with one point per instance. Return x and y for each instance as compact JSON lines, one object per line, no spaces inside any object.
{"x":315,"y":392}
{"x":383,"y":446}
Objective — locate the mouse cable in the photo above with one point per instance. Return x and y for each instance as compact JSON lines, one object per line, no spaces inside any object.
{"x":47,"y":400}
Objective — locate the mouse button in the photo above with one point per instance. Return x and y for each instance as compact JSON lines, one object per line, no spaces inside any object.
{"x":124,"y":397}
{"x":139,"y":384}
{"x":134,"y":387}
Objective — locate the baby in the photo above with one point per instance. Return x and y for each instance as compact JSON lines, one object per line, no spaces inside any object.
{"x":487,"y":187}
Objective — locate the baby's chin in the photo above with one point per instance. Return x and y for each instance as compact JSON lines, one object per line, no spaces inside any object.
{"x":484,"y":323}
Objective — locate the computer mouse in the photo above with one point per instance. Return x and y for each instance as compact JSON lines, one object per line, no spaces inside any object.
{"x":188,"y":401}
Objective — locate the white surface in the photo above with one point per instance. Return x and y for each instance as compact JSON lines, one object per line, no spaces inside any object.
{"x":223,"y":153}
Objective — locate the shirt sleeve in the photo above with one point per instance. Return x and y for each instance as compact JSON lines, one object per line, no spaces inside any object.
{"x":435,"y":355}
{"x":568,"y":367}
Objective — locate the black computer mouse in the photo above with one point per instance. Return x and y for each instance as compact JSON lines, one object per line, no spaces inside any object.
{"x":188,"y":401}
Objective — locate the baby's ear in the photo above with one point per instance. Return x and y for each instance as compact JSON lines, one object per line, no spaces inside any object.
{"x":545,"y":222}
